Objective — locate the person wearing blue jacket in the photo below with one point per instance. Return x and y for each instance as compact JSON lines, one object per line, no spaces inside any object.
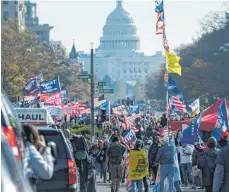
{"x":38,"y":161}
{"x":165,"y":157}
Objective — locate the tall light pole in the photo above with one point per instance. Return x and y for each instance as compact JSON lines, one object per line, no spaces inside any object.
{"x":92,"y":96}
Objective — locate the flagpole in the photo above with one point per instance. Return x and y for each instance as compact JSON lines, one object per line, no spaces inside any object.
{"x":92,"y":96}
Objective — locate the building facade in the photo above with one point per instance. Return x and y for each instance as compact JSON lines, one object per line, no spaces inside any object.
{"x":118,"y":55}
{"x":32,"y":23}
{"x":13,"y":11}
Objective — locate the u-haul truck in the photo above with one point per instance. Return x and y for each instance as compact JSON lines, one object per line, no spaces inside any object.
{"x":36,"y":116}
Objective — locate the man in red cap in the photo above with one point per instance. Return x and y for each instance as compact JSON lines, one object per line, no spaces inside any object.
{"x":224,"y":139}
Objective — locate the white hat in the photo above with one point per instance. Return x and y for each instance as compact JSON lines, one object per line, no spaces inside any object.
{"x":165,"y":139}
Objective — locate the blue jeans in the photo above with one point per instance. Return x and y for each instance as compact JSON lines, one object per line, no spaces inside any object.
{"x":102,"y":171}
{"x":137,"y":186}
{"x":186,"y":169}
{"x":167,"y":171}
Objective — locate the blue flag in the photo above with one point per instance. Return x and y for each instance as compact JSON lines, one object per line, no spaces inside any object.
{"x":171,"y":81}
{"x":222,"y":121}
{"x":129,"y":137}
{"x":31,"y":87}
{"x":134,"y":109}
{"x":50,"y":86}
{"x":192,"y":134}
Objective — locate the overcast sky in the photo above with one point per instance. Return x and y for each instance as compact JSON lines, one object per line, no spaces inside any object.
{"x":84,"y":20}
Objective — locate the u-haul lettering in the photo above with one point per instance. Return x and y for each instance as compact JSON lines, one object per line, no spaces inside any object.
{"x":34,"y":115}
{"x":31,"y":117}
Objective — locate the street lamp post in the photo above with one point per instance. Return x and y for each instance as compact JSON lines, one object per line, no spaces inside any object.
{"x":92,"y":96}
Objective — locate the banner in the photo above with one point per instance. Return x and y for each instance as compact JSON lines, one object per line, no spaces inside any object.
{"x":129,"y":137}
{"x":50,"y":86}
{"x":74,"y":110}
{"x":54,"y":99}
{"x":195,"y":106}
{"x":31,"y":87}
{"x":222,"y":121}
{"x":138,"y":167}
{"x":120,"y":110}
{"x":134,"y":109}
{"x":192,"y":134}
{"x":64,"y":94}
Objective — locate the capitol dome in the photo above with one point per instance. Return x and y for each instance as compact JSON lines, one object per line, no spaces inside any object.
{"x":119,"y":33}
{"x":119,"y":15}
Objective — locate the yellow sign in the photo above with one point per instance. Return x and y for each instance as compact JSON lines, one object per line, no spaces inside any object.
{"x":138,"y":167}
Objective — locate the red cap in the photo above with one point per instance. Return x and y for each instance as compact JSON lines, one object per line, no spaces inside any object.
{"x":224,"y":135}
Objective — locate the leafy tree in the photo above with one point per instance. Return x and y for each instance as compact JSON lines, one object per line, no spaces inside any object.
{"x":204,"y":61}
{"x":23,"y":58}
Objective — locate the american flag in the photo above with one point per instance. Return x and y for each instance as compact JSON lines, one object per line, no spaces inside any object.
{"x":166,"y":77}
{"x":160,"y":23}
{"x":177,"y":103}
{"x":165,"y":44}
{"x":82,"y":106}
{"x":167,"y":132}
{"x":129,"y":124}
{"x":97,"y":102}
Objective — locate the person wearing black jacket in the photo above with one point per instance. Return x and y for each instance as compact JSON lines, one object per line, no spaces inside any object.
{"x":152,"y":153}
{"x":206,"y":163}
{"x":101,"y":159}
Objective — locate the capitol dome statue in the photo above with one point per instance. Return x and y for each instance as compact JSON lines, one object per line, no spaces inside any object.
{"x":119,"y":33}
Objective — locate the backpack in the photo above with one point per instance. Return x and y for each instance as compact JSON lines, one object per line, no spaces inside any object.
{"x":116,"y":154}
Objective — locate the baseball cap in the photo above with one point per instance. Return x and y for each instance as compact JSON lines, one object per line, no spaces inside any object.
{"x":224,"y":135}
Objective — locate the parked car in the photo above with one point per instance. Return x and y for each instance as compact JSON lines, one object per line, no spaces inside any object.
{"x":84,"y":163}
{"x":65,"y":176}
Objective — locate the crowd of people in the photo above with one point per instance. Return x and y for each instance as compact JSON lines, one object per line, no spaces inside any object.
{"x":201,"y":165}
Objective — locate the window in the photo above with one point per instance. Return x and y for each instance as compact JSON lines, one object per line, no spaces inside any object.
{"x":16,"y":14}
{"x":131,"y":77}
{"x":5,"y":15}
{"x":139,"y":76}
{"x":15,"y":2}
{"x":5,"y":2}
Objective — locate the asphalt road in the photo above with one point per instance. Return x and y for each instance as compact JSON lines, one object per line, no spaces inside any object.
{"x":105,"y":187}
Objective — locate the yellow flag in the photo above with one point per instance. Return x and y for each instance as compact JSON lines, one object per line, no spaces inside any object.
{"x":138,"y":167}
{"x":172,"y":61}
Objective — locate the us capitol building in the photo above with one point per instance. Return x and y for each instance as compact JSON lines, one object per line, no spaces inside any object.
{"x":118,"y":60}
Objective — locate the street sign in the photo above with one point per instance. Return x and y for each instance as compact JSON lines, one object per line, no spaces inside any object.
{"x":84,"y":76}
{"x":106,"y":90}
{"x":101,"y":83}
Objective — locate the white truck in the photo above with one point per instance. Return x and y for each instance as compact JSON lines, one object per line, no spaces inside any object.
{"x":36,"y":116}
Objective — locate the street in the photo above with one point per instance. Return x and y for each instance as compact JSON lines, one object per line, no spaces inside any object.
{"x":105,"y":187}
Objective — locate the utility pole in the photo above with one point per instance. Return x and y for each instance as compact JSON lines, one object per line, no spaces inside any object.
{"x":92,"y":96}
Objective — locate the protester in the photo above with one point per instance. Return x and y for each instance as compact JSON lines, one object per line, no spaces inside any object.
{"x":67,"y":135}
{"x":186,"y":163}
{"x":196,"y":173}
{"x":38,"y":162}
{"x":152,"y":153}
{"x":206,"y":163}
{"x":137,"y":185}
{"x":224,"y":140}
{"x":163,"y":121}
{"x":115,"y":152}
{"x":221,"y":175}
{"x":100,"y":159}
{"x":165,"y":157}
